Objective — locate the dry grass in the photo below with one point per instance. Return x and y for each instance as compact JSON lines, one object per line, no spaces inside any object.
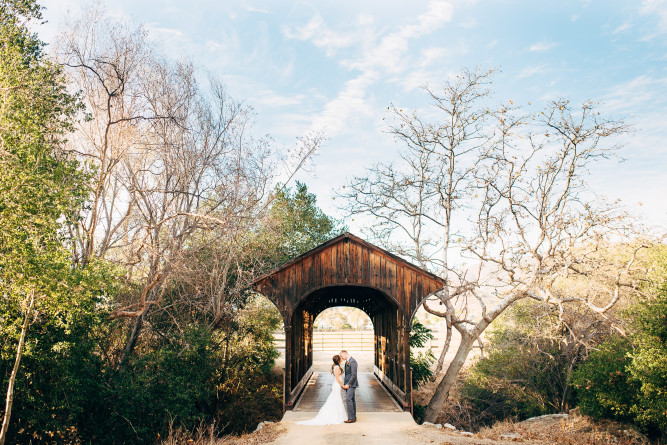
{"x":266,"y":435}
{"x":455,"y":410}
{"x":202,"y":436}
{"x":573,"y":430}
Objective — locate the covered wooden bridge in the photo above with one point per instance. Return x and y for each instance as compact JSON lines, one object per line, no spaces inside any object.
{"x":348,"y":271}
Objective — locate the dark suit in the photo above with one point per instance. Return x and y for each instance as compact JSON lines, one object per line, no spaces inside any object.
{"x":351,"y":380}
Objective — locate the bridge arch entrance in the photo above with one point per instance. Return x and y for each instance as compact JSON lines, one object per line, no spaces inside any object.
{"x":348,"y":271}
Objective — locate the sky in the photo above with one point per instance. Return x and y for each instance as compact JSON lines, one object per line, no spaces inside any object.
{"x":336,"y":66}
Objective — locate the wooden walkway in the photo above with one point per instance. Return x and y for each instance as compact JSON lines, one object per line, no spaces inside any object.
{"x":371,"y":396}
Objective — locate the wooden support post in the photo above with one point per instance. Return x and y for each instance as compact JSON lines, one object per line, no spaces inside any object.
{"x":288,"y":368}
{"x":412,"y":404}
{"x":408,"y":367}
{"x":285,"y":391}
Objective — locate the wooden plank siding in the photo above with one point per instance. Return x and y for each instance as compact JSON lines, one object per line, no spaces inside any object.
{"x":348,"y":271}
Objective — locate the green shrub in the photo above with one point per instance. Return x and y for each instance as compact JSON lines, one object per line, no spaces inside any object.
{"x":170,"y":384}
{"x":626,"y":378}
{"x":418,"y":413}
{"x":649,"y":364}
{"x":421,"y":362}
{"x":200,"y":376}
{"x":496,"y":398}
{"x":57,"y":394}
{"x":516,"y":381}
{"x":421,"y":367}
{"x":604,"y":387}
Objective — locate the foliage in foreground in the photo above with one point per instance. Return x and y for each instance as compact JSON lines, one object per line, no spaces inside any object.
{"x":421,"y":362}
{"x":219,"y":378}
{"x":626,"y":378}
{"x":40,"y":186}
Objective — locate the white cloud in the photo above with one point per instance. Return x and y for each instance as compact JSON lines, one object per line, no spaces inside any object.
{"x":349,"y":105}
{"x":259,"y":10}
{"x":641,"y":93}
{"x":430,"y":55}
{"x":470,"y":24}
{"x":430,"y":67}
{"x":388,"y":55}
{"x":530,"y":71}
{"x":642,"y":176}
{"x":270,"y":98}
{"x":542,"y":46}
{"x":365,"y":19}
{"x":321,"y":36}
{"x":656,"y":7}
{"x":624,"y":27}
{"x":439,"y":13}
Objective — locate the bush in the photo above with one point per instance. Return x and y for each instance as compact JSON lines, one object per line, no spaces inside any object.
{"x":604,"y":387}
{"x":525,"y":371}
{"x":170,"y":384}
{"x":626,"y":379}
{"x":418,"y":413}
{"x":420,"y":363}
{"x":421,"y":367}
{"x":495,"y":399}
{"x":57,"y":392}
{"x":649,"y":364}
{"x":201,"y":376}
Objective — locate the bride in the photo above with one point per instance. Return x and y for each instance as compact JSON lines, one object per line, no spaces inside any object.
{"x":333,"y":410}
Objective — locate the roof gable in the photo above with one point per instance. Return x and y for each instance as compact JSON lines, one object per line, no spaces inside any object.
{"x":348,"y":271}
{"x":355,"y":239}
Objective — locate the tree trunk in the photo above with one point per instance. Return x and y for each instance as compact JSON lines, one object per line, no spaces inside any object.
{"x":445,"y":348}
{"x":15,"y":370}
{"x":442,"y":391}
{"x":566,"y":391}
{"x":131,"y":342}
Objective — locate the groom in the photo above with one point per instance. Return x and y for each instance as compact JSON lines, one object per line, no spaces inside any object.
{"x":350,"y":385}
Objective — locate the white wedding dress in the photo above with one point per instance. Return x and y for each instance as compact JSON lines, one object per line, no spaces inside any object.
{"x":333,"y":410}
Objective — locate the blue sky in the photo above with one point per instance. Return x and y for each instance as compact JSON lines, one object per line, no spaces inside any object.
{"x":336,"y":66}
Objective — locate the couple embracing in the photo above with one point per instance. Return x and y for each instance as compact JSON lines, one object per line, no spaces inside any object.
{"x":333,"y":411}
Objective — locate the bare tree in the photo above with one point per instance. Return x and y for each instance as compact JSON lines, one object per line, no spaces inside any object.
{"x":504,"y":192}
{"x":172,"y":161}
{"x":419,"y":197}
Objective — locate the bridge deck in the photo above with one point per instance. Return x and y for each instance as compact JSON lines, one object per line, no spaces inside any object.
{"x":371,"y":396}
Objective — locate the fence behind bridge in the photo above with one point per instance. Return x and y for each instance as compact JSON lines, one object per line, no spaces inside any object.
{"x":353,"y":340}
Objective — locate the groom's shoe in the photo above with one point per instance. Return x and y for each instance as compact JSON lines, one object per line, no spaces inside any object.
{"x":350,"y":420}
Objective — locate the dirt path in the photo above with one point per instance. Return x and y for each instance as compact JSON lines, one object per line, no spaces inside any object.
{"x":373,"y":429}
{"x":379,"y":420}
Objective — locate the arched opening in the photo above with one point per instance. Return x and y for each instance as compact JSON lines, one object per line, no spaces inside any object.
{"x":390,"y":339}
{"x":342,"y":318}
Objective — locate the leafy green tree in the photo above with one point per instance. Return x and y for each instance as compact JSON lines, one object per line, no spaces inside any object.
{"x":300,"y":223}
{"x":65,"y":366}
{"x":40,"y":183}
{"x":196,"y":374}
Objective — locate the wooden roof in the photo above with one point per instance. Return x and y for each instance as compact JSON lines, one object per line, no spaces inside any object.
{"x":347,"y":271}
